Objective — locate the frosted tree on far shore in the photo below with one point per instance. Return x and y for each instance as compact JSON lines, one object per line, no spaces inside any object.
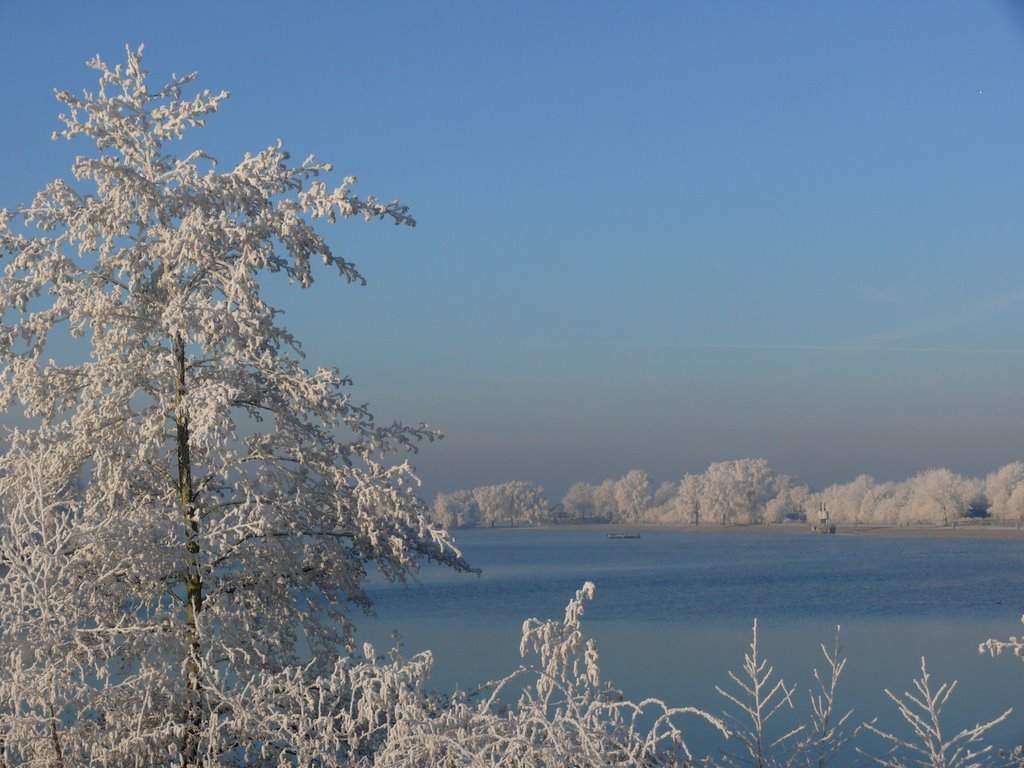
{"x":736,"y":491}
{"x":579,"y":501}
{"x":513,"y":503}
{"x":938,"y":497}
{"x":633,"y":496}
{"x":1004,"y":490}
{"x":686,"y":505}
{"x":190,"y":519}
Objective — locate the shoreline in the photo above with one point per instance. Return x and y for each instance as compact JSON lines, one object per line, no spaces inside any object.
{"x":969,"y":531}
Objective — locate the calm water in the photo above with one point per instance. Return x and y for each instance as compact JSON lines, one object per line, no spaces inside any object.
{"x":673,"y":610}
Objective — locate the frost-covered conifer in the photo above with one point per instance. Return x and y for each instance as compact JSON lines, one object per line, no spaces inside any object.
{"x":193,"y":513}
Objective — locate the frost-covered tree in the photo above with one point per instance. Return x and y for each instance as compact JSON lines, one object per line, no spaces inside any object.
{"x":513,"y":503}
{"x":844,"y":501}
{"x":688,"y":500}
{"x":633,"y":495}
{"x":718,"y":498}
{"x":789,"y":502}
{"x":663,"y":505}
{"x":665,"y":492}
{"x":517,"y":502}
{"x":937,"y":497}
{"x":456,"y":510}
{"x":885,"y":503}
{"x":579,"y":500}
{"x":189,"y":521}
{"x":605,"y":504}
{"x":736,"y":491}
{"x":1004,"y":490}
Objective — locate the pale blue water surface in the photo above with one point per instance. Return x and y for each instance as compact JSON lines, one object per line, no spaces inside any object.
{"x":673,"y":611}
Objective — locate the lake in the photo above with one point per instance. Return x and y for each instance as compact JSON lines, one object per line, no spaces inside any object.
{"x":673,"y":611}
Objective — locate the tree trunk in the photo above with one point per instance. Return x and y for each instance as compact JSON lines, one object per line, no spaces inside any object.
{"x":58,"y":751}
{"x":193,"y":578}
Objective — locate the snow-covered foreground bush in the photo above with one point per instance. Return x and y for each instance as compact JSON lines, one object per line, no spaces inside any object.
{"x":363,"y":712}
{"x":561,"y":713}
{"x":557,"y":712}
{"x":379,"y":712}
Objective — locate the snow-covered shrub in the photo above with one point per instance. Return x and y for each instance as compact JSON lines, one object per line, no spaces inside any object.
{"x":824,"y":734}
{"x":301,"y":717}
{"x":560,"y":714}
{"x":931,"y":746}
{"x":757,"y":700}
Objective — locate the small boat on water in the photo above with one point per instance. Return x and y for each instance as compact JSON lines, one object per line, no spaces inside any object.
{"x":621,"y":535}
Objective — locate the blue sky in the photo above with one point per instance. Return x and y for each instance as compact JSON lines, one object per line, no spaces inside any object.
{"x":651,"y":235}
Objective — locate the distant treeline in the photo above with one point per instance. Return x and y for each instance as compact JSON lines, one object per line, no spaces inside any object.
{"x":744,"y":492}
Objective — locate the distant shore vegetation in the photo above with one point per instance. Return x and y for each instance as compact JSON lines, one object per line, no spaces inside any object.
{"x":746,"y":492}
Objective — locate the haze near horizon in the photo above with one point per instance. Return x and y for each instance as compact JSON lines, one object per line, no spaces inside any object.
{"x":653,"y":236}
